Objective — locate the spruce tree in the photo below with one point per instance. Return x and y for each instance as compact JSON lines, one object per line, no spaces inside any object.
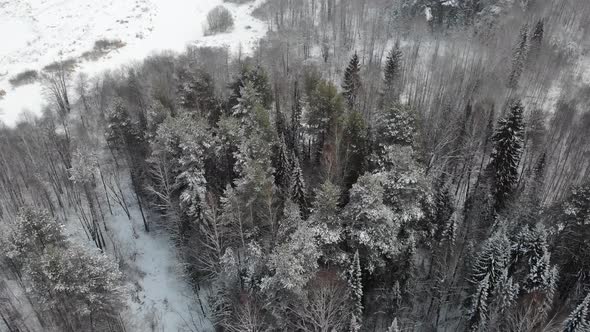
{"x":296,"y":111}
{"x":578,"y":320}
{"x":478,"y":312}
{"x":354,"y":149}
{"x":282,"y":166}
{"x":355,"y":283}
{"x":537,"y":38}
{"x":519,"y":56}
{"x":352,"y":82}
{"x":298,"y":191}
{"x":507,"y":142}
{"x":392,"y":75}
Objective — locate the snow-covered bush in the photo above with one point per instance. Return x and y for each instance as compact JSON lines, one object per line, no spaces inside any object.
{"x":219,"y":20}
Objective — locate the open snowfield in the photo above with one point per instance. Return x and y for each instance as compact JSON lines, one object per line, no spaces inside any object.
{"x":35,"y":33}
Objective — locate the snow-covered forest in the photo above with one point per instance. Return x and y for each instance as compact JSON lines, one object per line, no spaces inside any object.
{"x":365,"y":165}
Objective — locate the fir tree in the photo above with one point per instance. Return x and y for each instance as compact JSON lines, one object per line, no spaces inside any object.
{"x":519,"y":57}
{"x":392,"y":76}
{"x":351,"y":85}
{"x":505,"y":158}
{"x":578,"y":320}
{"x":355,"y":282}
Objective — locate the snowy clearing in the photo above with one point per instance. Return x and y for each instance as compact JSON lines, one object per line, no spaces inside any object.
{"x":44,"y":31}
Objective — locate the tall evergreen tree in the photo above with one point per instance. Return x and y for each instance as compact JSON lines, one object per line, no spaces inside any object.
{"x":282,"y":166}
{"x":355,"y":283}
{"x":354,"y":149}
{"x":298,"y":191}
{"x":578,"y":320}
{"x":392,"y":76}
{"x":478,"y":312}
{"x":505,"y":158}
{"x":351,"y":85}
{"x":519,"y":56}
{"x":296,"y":111}
{"x":537,"y":38}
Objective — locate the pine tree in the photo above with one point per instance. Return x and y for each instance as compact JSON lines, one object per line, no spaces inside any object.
{"x":351,"y":85}
{"x":355,"y":282}
{"x":505,"y":158}
{"x":392,"y":76}
{"x":519,"y":57}
{"x":578,"y":320}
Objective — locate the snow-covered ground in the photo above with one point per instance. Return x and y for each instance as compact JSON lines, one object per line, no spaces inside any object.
{"x":34,"y":33}
{"x":160,"y":299}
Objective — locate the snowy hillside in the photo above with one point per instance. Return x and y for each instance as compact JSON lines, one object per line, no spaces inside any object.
{"x":36,"y":33}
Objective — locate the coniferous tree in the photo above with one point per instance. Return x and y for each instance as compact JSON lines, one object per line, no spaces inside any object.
{"x":257,"y":77}
{"x":578,"y":320}
{"x":478,"y":312}
{"x":355,"y":148}
{"x":355,"y":283}
{"x":392,"y":76}
{"x":351,"y":85}
{"x":537,"y":38}
{"x":519,"y":57}
{"x":296,"y":111}
{"x":572,"y":249}
{"x":298,"y":190}
{"x":282,"y":166}
{"x":505,"y":158}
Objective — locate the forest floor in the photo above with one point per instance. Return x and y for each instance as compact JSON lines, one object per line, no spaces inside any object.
{"x":35,"y":33}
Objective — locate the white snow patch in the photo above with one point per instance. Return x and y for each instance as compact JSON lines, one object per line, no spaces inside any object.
{"x":160,"y":296}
